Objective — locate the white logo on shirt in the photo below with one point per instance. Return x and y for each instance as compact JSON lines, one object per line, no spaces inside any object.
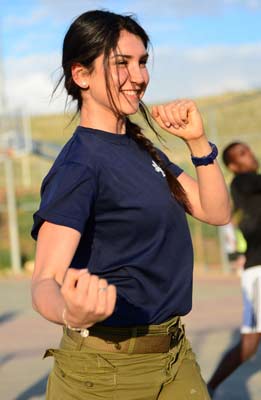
{"x":158,"y":168}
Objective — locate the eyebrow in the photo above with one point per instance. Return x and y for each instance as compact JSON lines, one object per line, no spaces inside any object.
{"x":145,"y":55}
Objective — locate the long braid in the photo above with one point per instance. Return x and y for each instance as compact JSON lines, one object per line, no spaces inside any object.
{"x":175,"y":187}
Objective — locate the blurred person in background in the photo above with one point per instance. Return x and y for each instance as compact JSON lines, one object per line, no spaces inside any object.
{"x":246,"y":196}
{"x":234,"y":246}
{"x":115,"y":204}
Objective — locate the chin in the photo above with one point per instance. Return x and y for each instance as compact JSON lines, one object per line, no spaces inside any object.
{"x":130,"y":110}
{"x":129,"y":107}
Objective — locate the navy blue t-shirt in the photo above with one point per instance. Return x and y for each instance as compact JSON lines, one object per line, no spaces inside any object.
{"x":134,"y":233}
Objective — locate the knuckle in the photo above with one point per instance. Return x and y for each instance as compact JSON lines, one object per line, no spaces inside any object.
{"x":64,"y":291}
{"x":112,"y":288}
{"x":103,"y":282}
{"x":100,"y":311}
{"x":71,"y":272}
{"x":78,"y":302}
{"x":109,"y":311}
{"x":91,"y":309}
{"x":94,"y":279}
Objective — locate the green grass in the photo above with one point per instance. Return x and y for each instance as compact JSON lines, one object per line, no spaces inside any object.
{"x":24,"y":217}
{"x":227,"y":117}
{"x":236,"y":115}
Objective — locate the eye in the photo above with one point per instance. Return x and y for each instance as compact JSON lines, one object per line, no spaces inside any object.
{"x":122,"y":62}
{"x":143,"y":62}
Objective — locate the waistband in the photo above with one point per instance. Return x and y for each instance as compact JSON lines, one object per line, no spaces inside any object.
{"x":136,"y":340}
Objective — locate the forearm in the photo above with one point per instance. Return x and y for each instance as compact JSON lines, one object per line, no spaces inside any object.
{"x":48,"y":300}
{"x":212,"y":189}
{"x":213,"y":194}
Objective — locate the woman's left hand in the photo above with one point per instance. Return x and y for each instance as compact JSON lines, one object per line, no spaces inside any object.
{"x":180,"y":118}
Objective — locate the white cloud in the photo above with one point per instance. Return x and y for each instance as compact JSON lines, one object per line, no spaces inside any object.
{"x":29,"y":83}
{"x":251,"y":4}
{"x":176,"y":73}
{"x":184,"y":8}
{"x":21,"y":21}
{"x":204,"y":71}
{"x":68,"y":10}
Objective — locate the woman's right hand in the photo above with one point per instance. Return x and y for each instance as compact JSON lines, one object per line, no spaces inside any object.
{"x":88,"y":298}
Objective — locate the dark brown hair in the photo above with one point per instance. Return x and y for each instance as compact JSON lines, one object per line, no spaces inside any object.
{"x":97,"y":32}
{"x":226,"y":155}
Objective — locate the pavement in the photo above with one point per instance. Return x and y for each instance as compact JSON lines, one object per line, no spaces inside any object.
{"x":212,"y":327}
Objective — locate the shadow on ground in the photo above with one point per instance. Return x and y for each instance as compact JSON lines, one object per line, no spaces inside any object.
{"x":8,"y":316}
{"x":237,"y":386}
{"x":37,"y":389}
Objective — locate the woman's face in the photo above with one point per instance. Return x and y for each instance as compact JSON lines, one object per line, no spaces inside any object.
{"x":127,"y":73}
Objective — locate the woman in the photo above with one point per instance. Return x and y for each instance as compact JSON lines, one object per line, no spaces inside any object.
{"x":116,"y":205}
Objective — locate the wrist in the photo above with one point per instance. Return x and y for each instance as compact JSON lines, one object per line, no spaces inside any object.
{"x":199,"y":147}
{"x":84,"y":332}
{"x":206,"y":159}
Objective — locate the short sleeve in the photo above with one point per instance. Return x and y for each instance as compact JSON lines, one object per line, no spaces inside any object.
{"x":173,"y":168}
{"x":67,"y":195}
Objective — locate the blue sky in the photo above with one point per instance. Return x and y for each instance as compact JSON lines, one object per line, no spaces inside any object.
{"x":200,"y":47}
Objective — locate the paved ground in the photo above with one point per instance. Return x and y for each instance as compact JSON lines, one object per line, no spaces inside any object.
{"x":212,"y":326}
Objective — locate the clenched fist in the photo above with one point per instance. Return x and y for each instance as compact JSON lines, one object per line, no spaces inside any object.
{"x":180,"y":118}
{"x":88,"y":298}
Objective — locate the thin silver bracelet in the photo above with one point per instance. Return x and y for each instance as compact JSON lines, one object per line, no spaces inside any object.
{"x":84,"y":332}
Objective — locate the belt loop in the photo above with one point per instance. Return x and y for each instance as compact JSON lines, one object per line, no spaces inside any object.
{"x":132,"y":340}
{"x":79,"y":341}
{"x":176,"y":322}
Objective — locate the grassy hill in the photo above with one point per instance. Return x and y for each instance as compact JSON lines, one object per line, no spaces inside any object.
{"x":235,"y":114}
{"x":231,"y":116}
{"x":227,"y":117}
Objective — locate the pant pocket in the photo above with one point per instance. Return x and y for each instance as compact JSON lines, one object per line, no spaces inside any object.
{"x":77,"y":374}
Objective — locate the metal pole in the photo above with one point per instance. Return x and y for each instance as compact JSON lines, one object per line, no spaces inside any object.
{"x":212,"y":119}
{"x":27,"y":131}
{"x":2,"y":88}
{"x":25,"y":128}
{"x":12,"y":216}
{"x":199,"y":245}
{"x":223,"y":254}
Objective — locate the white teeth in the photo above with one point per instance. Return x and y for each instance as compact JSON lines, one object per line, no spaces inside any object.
{"x":131,"y":92}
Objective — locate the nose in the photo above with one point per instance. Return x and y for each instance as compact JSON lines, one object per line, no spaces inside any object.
{"x":138,"y":75}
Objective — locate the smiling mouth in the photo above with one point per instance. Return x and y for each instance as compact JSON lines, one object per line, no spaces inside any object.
{"x":132,"y":93}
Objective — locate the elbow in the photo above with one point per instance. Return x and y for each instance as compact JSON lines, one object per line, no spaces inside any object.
{"x":34,"y":306}
{"x":33,"y":301}
{"x":33,"y":295}
{"x":227,"y":214}
{"x":223,"y":221}
{"x":226,"y":220}
{"x":223,"y":217}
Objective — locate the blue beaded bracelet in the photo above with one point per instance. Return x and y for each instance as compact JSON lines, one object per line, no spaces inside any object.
{"x":206,"y":160}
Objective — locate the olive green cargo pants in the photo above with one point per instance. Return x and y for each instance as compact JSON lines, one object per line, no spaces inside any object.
{"x":81,"y":372}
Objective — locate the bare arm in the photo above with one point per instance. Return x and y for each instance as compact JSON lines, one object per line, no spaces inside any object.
{"x":54,"y":287}
{"x":208,"y":194}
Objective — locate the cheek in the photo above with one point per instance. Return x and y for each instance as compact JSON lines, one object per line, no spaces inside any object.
{"x":146,"y":77}
{"x":119,"y":77}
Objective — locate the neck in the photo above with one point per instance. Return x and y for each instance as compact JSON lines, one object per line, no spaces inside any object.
{"x":104,"y":120}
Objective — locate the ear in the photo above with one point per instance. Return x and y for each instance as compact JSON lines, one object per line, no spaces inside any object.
{"x":233,"y":167}
{"x":80,"y":75}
